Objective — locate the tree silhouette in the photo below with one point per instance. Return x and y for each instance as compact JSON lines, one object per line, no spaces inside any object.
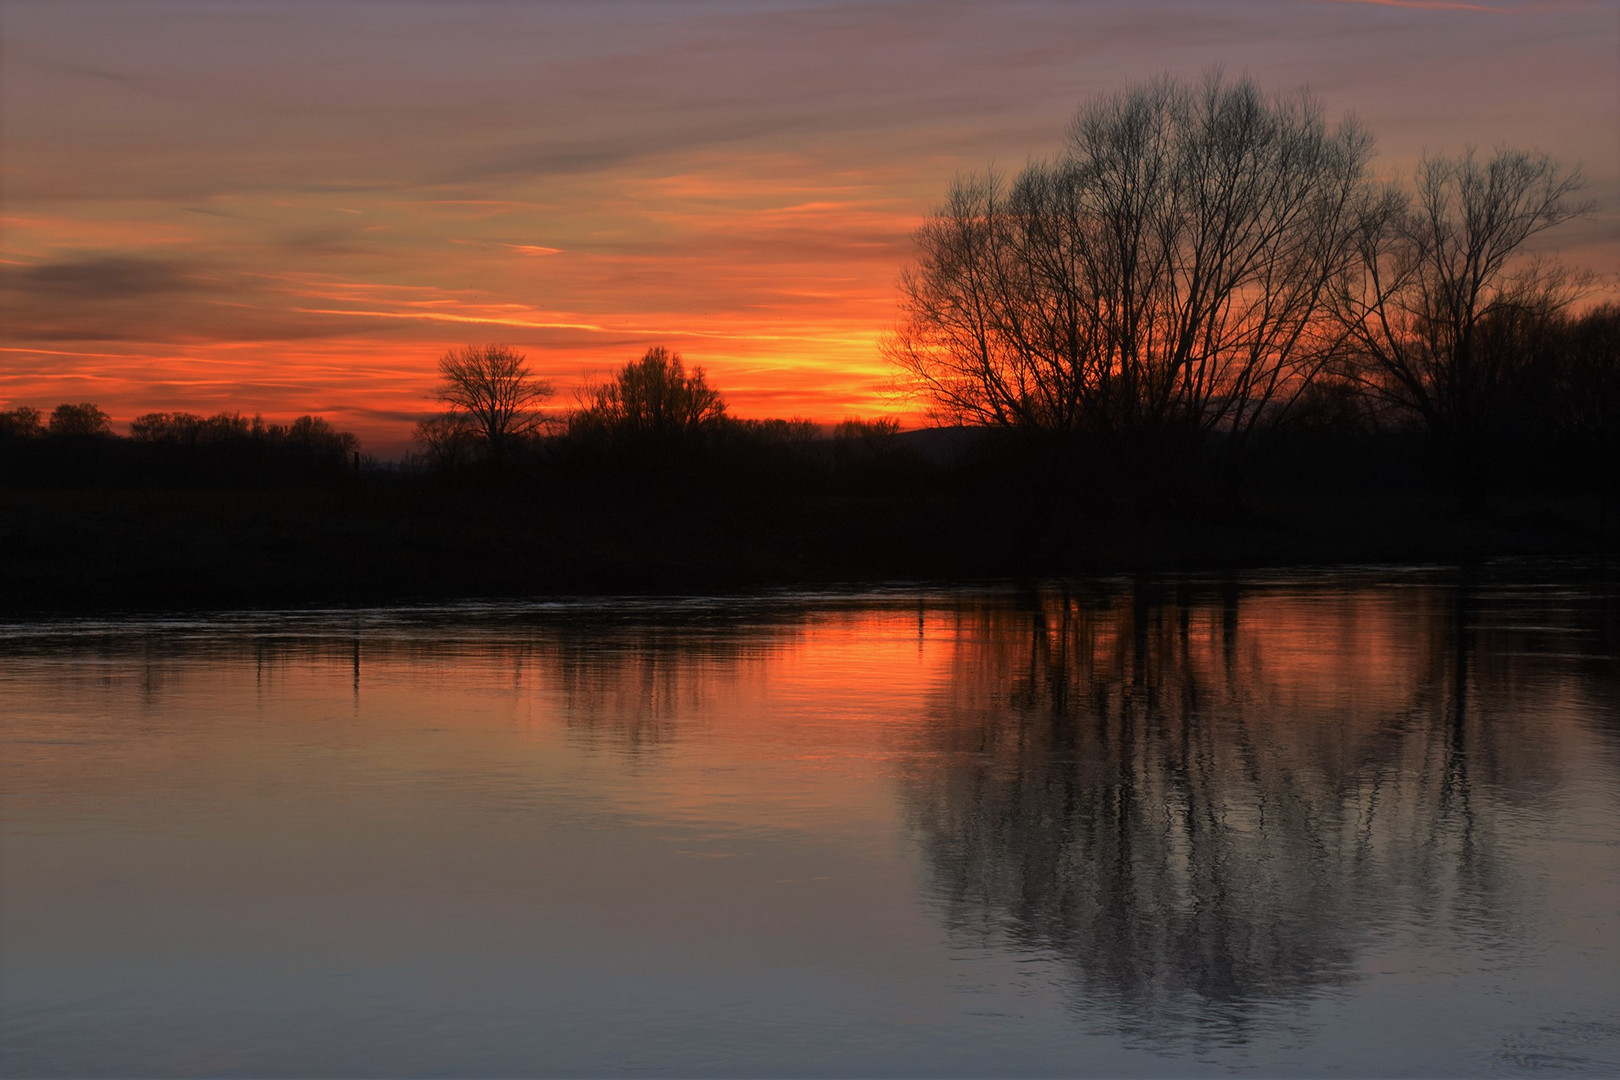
{"x":82,"y":421}
{"x":1159,"y":280}
{"x":189,"y":429}
{"x":23,"y":422}
{"x":447,"y":441}
{"x":493,"y":386}
{"x":1438,"y":278}
{"x":654,"y":397}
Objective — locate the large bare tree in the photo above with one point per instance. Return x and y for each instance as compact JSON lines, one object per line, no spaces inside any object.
{"x":493,"y":386}
{"x":1440,"y":279}
{"x":1161,"y":279}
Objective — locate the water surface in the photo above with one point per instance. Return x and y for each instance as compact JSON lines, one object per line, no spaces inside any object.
{"x":1350,"y":823}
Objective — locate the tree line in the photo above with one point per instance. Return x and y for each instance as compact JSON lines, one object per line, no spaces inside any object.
{"x":1205,"y":279}
{"x":1204,"y":264}
{"x":1206,"y":285}
{"x":654,"y":422}
{"x":493,"y":402}
{"x":76,"y":446}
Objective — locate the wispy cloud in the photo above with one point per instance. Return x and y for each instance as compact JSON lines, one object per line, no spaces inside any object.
{"x":103,"y":277}
{"x":595,"y":328}
{"x":445,"y":316}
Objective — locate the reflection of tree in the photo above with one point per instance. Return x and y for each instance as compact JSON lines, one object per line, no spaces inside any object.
{"x":1210,"y":802}
{"x":637,"y":683}
{"x":626,"y":677}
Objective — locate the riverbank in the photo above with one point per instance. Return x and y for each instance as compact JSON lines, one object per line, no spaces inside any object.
{"x":125,"y":550}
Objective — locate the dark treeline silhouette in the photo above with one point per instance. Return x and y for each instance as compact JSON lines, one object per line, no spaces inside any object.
{"x":1543,"y":410}
{"x":652,"y":486}
{"x":658,"y":430}
{"x":683,"y":494}
{"x":1204,"y":267}
{"x":1201,"y":335}
{"x":649,"y":486}
{"x":78,"y":448}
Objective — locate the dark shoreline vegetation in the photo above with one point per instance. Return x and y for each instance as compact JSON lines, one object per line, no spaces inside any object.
{"x":92,"y":523}
{"x":1202,"y":336}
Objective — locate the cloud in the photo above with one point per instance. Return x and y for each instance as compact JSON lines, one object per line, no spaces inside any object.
{"x":116,"y":297}
{"x":97,"y":278}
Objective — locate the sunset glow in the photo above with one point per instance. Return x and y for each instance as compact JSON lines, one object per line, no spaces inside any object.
{"x":288,"y":209}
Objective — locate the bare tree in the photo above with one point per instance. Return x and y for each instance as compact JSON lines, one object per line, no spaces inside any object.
{"x":447,"y":441}
{"x":1439,"y":275}
{"x":1160,"y":279}
{"x":493,"y":386}
{"x":654,"y":396}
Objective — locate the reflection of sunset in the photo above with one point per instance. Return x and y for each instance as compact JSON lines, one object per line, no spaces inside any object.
{"x":1210,"y":797}
{"x":1189,"y":818}
{"x":1319,"y":679}
{"x":257,"y":210}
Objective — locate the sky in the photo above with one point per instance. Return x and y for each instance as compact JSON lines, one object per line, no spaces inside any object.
{"x":297,"y":207}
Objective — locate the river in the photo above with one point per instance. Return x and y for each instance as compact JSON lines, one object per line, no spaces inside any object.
{"x":1350,"y":822}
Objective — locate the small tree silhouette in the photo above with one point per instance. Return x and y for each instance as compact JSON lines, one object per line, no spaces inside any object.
{"x":447,"y":441}
{"x":653,"y":397}
{"x":23,"y":422}
{"x":82,"y":420}
{"x":494,"y":387}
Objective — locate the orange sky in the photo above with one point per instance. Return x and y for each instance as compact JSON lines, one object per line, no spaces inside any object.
{"x":288,"y":208}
